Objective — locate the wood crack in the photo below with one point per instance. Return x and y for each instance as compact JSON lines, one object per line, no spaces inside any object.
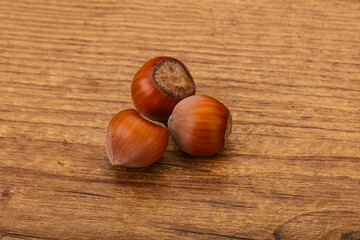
{"x":88,"y":194}
{"x":211,"y":234}
{"x":10,"y":234}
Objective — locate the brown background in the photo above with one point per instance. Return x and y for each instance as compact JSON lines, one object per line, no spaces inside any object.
{"x":289,"y":71}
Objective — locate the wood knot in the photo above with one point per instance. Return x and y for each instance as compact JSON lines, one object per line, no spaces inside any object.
{"x":351,"y":236}
{"x":324,"y":225}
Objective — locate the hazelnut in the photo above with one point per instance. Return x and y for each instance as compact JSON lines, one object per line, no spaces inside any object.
{"x":133,"y":141}
{"x":159,"y":85}
{"x":200,"y":125}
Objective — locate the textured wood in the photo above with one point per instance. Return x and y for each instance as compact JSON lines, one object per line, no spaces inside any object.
{"x":288,"y":70}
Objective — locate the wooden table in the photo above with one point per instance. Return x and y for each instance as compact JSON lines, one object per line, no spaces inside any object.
{"x":289,"y":71}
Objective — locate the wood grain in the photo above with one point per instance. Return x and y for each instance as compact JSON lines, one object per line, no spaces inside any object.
{"x":289,"y":71}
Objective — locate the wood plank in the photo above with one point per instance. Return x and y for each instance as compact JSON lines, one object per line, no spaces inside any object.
{"x":289,"y":71}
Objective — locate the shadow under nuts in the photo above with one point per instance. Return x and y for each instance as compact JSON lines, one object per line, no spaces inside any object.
{"x":200,"y":125}
{"x":133,"y":141}
{"x":159,"y":85}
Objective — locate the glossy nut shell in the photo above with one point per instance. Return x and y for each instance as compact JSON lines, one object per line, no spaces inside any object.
{"x":200,"y":125}
{"x":133,"y":141}
{"x":156,"y":100}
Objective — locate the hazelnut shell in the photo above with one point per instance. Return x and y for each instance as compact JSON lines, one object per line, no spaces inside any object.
{"x":159,"y":85}
{"x":200,"y":125}
{"x":133,"y":141}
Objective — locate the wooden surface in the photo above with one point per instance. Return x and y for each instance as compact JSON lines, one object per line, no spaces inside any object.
{"x":288,"y":70}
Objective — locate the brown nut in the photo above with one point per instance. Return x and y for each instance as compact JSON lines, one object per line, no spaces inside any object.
{"x":133,"y":141}
{"x":200,"y":125}
{"x":159,"y":85}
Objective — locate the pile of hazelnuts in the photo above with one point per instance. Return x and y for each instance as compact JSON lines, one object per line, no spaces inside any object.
{"x":163,"y":91}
